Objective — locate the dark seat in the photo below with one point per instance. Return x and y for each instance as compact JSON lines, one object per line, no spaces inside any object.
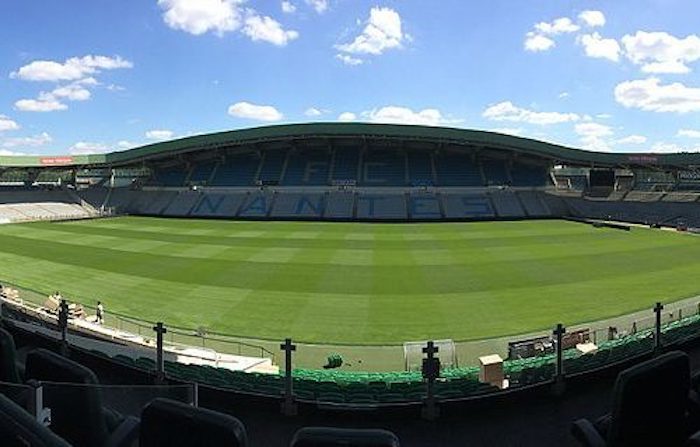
{"x":72,"y":393}
{"x":19,"y":429}
{"x":166,"y":422}
{"x":8,"y":358}
{"x":650,"y":406}
{"x":343,"y":437}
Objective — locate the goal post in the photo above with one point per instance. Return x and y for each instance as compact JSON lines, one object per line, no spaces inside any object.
{"x":413,"y":353}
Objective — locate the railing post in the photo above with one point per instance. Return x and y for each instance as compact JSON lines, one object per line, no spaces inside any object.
{"x":657,"y":329}
{"x":160,"y":362}
{"x":289,"y":408}
{"x":63,"y":326}
{"x":431,"y":371}
{"x":195,"y":394}
{"x":559,"y":383}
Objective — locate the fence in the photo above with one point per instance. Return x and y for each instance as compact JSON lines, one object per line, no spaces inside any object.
{"x":378,"y":358}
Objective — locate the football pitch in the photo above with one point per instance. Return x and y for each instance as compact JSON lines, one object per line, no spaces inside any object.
{"x":353,"y":283}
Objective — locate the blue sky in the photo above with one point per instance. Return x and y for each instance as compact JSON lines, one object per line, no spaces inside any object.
{"x":85,"y":76}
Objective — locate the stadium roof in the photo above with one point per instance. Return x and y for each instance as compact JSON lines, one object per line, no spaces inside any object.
{"x":406,"y":133}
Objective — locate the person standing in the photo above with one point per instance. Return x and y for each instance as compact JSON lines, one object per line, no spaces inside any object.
{"x":100,"y":313}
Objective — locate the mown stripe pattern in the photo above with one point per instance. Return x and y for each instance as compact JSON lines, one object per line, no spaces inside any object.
{"x":354,"y":282}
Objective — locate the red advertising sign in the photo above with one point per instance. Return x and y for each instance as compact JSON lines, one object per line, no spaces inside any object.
{"x":53,"y":161}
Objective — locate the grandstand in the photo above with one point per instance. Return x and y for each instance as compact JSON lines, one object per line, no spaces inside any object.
{"x":276,"y":271}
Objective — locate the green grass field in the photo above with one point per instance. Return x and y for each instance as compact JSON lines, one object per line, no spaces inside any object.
{"x":353,"y":282}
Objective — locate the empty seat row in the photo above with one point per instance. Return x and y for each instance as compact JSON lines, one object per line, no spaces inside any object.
{"x":371,"y":167}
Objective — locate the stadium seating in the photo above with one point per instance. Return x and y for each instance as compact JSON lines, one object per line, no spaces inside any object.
{"x":420,"y":168}
{"x":8,"y":361}
{"x":19,"y":429}
{"x":298,"y":205}
{"x":168,"y":423}
{"x":182,"y":204}
{"x":495,"y":172}
{"x":340,"y":205}
{"x":467,"y":205}
{"x":381,"y":206}
{"x":307,"y":168}
{"x":528,"y":175}
{"x":173,"y":176}
{"x":533,"y":204}
{"x":457,"y":169}
{"x":506,"y":204}
{"x":218,"y":205}
{"x":257,"y":204}
{"x":383,"y":168}
{"x":345,"y":164}
{"x":343,"y":437}
{"x":424,"y":206}
{"x":26,"y":204}
{"x":237,"y":170}
{"x":664,"y":382}
{"x":272,"y":167}
{"x":201,"y":173}
{"x":76,"y":411}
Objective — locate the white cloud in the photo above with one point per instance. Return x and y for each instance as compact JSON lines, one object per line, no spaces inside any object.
{"x":255,"y":112}
{"x":72,"y":92}
{"x":563,"y":95}
{"x":540,"y":39}
{"x":267,"y":29}
{"x":632,"y":139}
{"x":382,"y":32}
{"x":507,"y":111}
{"x":51,"y":101}
{"x":660,"y":52}
{"x":320,"y":6}
{"x":536,"y":42}
{"x":404,"y":115}
{"x":87,"y":148}
{"x":90,"y":81}
{"x":593,"y":136}
{"x":222,"y":16}
{"x":32,"y":141}
{"x":313,"y":112}
{"x":688,"y":133}
{"x":347,"y":116}
{"x":349,"y":60}
{"x":593,"y":130}
{"x":562,"y":25}
{"x":39,"y":105}
{"x":288,"y":7}
{"x":7,"y":124}
{"x":159,"y":134}
{"x":597,"y":47}
{"x":592,"y":18}
{"x":70,"y":70}
{"x":200,"y":16}
{"x":123,"y":144}
{"x":650,"y":95}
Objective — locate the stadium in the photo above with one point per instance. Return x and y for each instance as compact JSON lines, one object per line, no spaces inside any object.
{"x":527,"y":264}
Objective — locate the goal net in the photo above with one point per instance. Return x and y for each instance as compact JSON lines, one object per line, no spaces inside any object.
{"x":413,"y":353}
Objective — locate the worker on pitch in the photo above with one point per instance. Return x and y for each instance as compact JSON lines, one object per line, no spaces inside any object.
{"x":100,"y":313}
